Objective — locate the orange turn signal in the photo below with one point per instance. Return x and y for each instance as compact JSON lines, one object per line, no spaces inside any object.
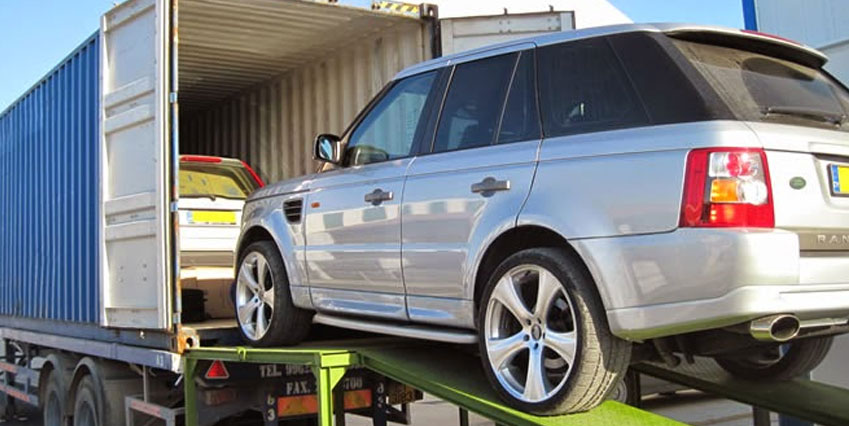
{"x":724,"y":191}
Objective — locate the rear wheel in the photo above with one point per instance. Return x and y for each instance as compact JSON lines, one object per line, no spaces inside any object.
{"x":545,"y":343}
{"x":264,"y":308}
{"x":779,"y":362}
{"x":53,"y":401}
{"x":88,"y":406}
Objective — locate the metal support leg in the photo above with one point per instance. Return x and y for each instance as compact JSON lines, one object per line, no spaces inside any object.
{"x":339,"y":406}
{"x":378,"y":395}
{"x":326,"y":379}
{"x":145,"y":384}
{"x":760,"y":417}
{"x":464,"y":417}
{"x":9,"y":407}
{"x":190,"y":392}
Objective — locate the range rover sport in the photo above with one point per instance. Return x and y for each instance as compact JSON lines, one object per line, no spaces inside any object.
{"x":571,"y":199}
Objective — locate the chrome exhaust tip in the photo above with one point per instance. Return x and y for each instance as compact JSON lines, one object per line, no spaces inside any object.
{"x":775,"y":328}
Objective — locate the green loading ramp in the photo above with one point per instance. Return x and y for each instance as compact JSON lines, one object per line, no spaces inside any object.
{"x":803,"y":399}
{"x":441,"y":370}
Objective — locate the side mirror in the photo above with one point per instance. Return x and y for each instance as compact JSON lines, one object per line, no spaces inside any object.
{"x":328,"y":148}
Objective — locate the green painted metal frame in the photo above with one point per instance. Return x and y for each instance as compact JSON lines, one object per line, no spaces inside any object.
{"x":328,"y":365}
{"x":441,"y":370}
{"x":804,"y":399}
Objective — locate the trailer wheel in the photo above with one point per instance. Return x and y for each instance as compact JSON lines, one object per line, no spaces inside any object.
{"x":779,"y":362}
{"x":264,"y":308}
{"x":6,"y":409}
{"x":53,"y":401}
{"x":88,"y":406}
{"x":544,"y":340}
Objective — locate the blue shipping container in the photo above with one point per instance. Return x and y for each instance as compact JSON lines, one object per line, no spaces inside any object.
{"x":49,"y":175}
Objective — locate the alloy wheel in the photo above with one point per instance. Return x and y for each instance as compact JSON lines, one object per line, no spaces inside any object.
{"x":254,"y":296}
{"x":531,"y":333}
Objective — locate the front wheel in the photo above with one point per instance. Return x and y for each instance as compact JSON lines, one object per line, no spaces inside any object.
{"x":544,"y":341}
{"x":264,"y":308}
{"x":780,"y":361}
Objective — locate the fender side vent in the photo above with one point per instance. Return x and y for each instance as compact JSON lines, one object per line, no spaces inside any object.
{"x":293,"y":209}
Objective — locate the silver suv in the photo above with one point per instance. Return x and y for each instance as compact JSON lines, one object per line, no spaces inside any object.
{"x":563,"y":201}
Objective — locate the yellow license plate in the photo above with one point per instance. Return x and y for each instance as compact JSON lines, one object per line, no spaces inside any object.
{"x":839,"y":180}
{"x":213,"y":217}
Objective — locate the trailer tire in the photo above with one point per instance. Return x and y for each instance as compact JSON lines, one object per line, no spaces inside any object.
{"x":88,"y":405}
{"x":797,"y":359}
{"x":286,"y":323}
{"x":53,"y":400}
{"x":6,"y":409}
{"x":572,"y":320}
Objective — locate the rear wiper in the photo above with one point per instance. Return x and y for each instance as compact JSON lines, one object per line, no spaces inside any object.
{"x":830,"y":117}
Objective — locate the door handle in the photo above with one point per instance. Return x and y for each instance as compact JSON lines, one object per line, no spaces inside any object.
{"x":489,"y":185}
{"x":378,"y":196}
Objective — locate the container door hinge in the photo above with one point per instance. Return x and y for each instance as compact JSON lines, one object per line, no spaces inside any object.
{"x":172,"y":97}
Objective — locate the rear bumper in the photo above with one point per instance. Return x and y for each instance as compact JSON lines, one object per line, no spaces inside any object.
{"x":808,"y":302}
{"x":698,"y":279}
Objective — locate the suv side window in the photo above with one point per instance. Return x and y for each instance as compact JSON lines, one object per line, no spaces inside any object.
{"x":520,"y":120}
{"x":387,"y":132}
{"x":583,"y":88}
{"x":474,"y":103}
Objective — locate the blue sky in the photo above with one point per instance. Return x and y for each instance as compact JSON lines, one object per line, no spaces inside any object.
{"x":36,"y":34}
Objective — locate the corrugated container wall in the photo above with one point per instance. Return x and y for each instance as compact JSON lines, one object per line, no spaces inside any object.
{"x":49,"y":255}
{"x":272,"y":126}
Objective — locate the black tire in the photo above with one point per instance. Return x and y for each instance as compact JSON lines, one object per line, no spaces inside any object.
{"x":601,"y":359}
{"x":53,"y":398}
{"x":6,"y":408}
{"x":779,"y":362}
{"x":627,"y":391}
{"x":288,"y":325}
{"x":88,"y":404}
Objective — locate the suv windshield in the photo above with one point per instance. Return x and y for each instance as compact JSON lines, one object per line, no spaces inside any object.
{"x":215,"y":180}
{"x":757,"y":87}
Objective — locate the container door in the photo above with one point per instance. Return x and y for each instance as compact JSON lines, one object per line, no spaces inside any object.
{"x":460,"y":34}
{"x":135,"y":157}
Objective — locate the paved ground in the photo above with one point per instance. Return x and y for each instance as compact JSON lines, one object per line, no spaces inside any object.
{"x":690,"y":407}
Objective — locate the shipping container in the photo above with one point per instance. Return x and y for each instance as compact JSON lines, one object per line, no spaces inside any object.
{"x":90,"y":154}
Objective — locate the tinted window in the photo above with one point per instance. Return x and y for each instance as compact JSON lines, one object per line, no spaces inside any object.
{"x":520,"y":121}
{"x":760,"y":87}
{"x":389,"y":129}
{"x":473,"y":104}
{"x":583,"y":88}
{"x":659,"y":74}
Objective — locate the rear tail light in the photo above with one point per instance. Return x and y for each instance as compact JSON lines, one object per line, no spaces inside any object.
{"x":727,"y":187}
{"x":772,"y":36}
{"x":200,"y":159}
{"x":256,"y":177}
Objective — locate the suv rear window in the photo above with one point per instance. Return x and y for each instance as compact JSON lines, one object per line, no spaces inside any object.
{"x":757,"y":87}
{"x":583,"y":88}
{"x":215,"y":180}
